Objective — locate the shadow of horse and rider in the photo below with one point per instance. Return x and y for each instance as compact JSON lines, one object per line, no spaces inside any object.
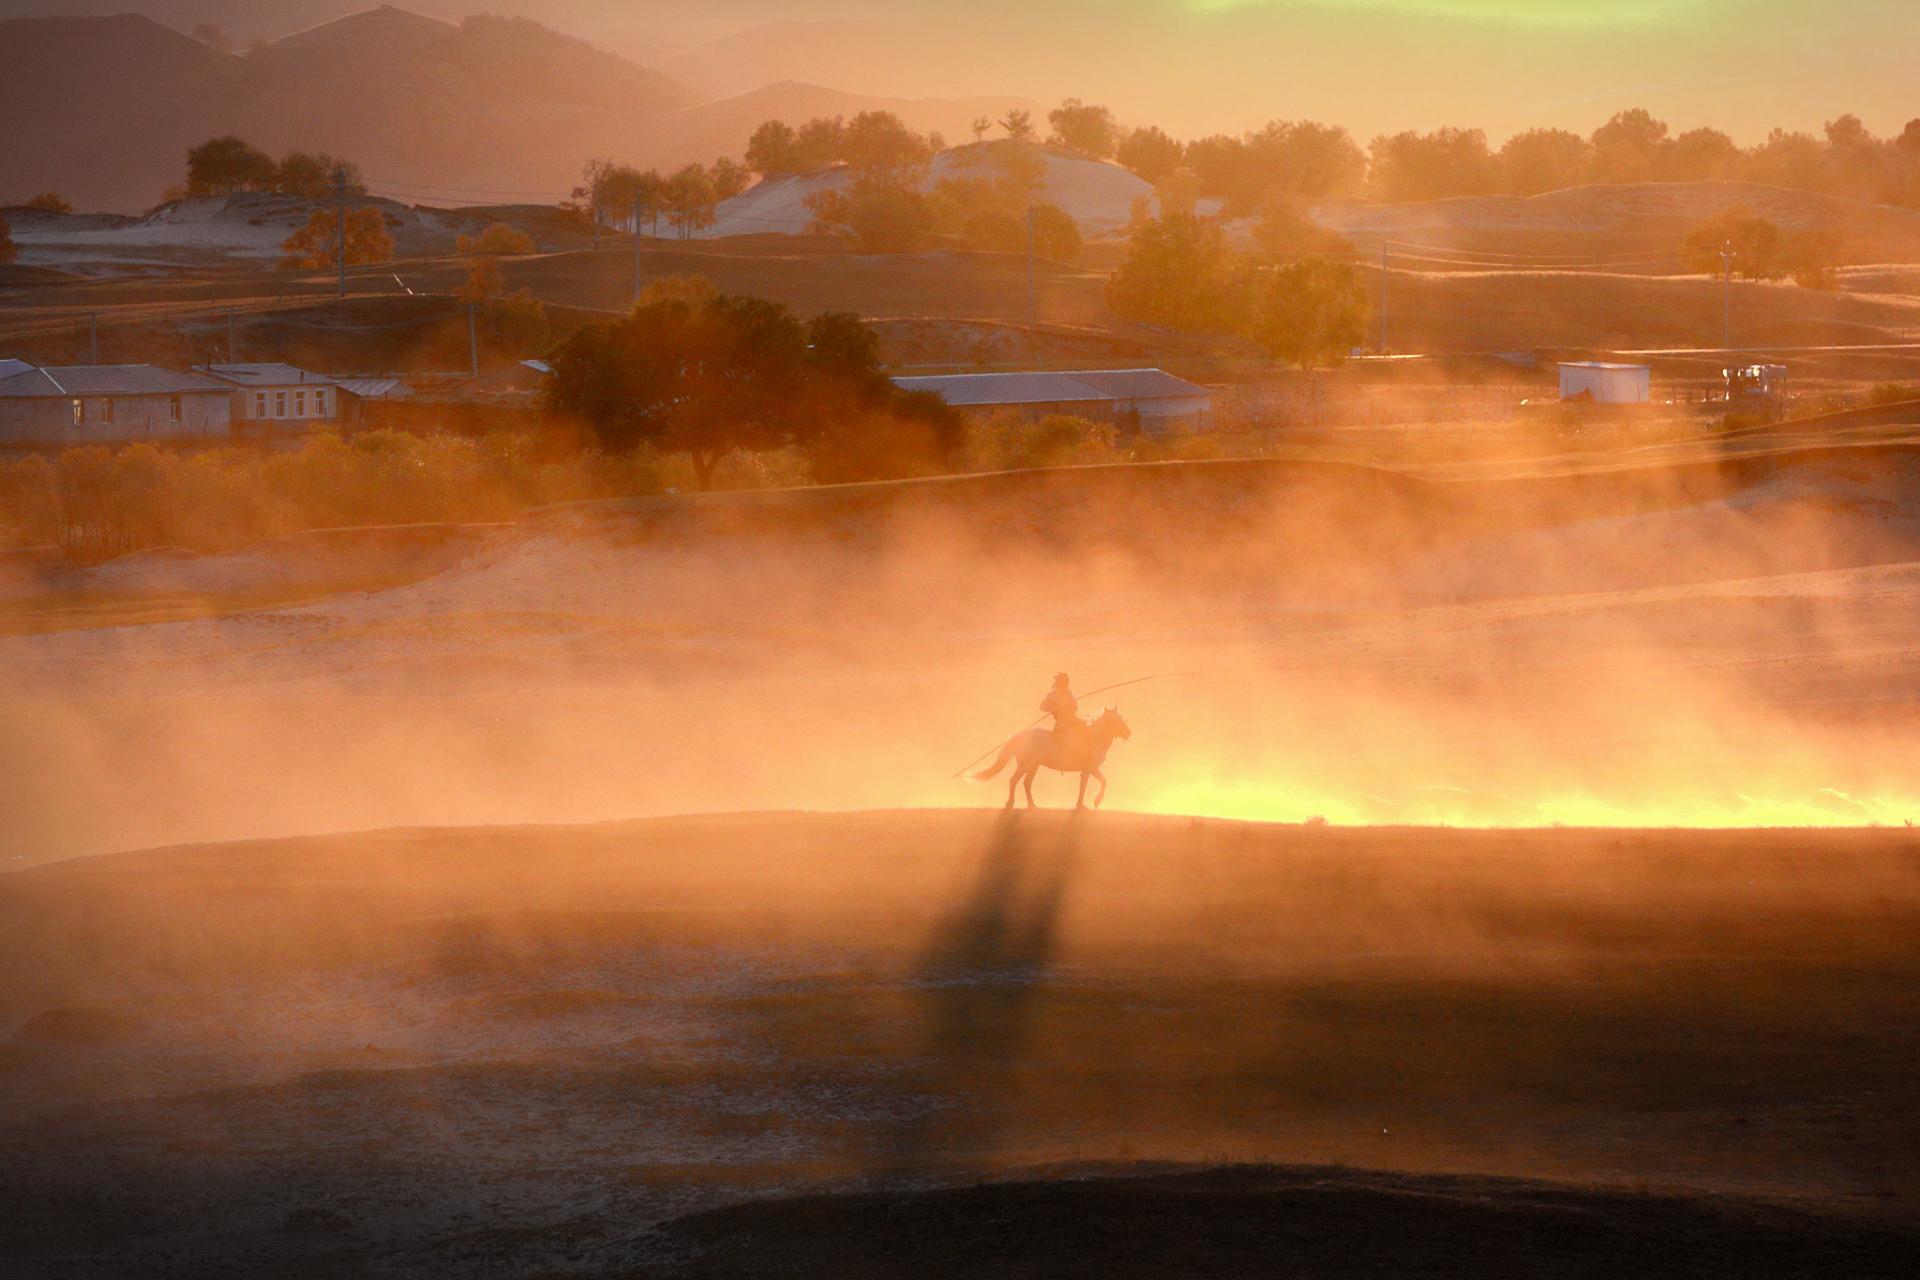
{"x":1073,"y":745}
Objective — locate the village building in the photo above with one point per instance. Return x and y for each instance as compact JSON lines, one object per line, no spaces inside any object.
{"x":278,"y":397}
{"x":1602,"y":383}
{"x":73,"y":405}
{"x":1155,"y":400}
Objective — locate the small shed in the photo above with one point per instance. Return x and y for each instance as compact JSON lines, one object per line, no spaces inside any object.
{"x":1605,"y":383}
{"x":1157,"y":400}
{"x":110,"y":404}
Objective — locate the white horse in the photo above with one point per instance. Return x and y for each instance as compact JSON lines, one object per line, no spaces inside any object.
{"x":1037,"y":749}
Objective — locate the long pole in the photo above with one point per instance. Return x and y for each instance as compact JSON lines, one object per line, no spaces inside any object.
{"x":636,"y":249}
{"x":1105,"y":688}
{"x":93,"y":337}
{"x":1033,"y":314}
{"x":1383,"y":295}
{"x":1726,"y":296}
{"x":230,"y":359}
{"x":340,"y":189}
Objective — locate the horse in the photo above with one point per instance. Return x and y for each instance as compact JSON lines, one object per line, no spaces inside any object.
{"x":1037,"y":749}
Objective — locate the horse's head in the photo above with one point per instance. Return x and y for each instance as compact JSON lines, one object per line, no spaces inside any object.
{"x":1111,"y":724}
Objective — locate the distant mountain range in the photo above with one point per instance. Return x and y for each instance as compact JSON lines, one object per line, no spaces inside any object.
{"x":488,"y":110}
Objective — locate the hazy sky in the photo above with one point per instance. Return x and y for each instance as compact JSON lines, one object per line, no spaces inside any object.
{"x":1201,"y":65}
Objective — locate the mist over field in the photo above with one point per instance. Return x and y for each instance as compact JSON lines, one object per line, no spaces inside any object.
{"x":1128,"y":640}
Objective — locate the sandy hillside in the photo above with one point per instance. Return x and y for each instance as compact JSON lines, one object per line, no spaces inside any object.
{"x":243,"y":229}
{"x":1098,"y":195}
{"x":517,"y":1050}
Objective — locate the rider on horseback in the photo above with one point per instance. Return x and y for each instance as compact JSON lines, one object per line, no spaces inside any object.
{"x":1069,"y":730}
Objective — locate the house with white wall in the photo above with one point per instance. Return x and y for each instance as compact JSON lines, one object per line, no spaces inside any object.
{"x":68,"y":406}
{"x":271,"y":396}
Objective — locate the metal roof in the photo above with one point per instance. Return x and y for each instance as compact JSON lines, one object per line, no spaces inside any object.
{"x":1063,"y":387}
{"x":1599,"y":364}
{"x":106,"y":380}
{"x":375,"y":388}
{"x":265,"y":374}
{"x":10,"y":367}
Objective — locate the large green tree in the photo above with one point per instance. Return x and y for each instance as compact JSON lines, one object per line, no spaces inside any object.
{"x":224,"y":165}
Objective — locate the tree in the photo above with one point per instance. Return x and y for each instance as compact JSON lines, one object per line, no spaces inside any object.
{"x":1752,"y":242}
{"x":1297,"y":159}
{"x":1220,"y":164}
{"x":879,"y":216}
{"x":880,"y":146}
{"x":1308,"y":313}
{"x":224,"y":165}
{"x":774,"y":149}
{"x":1788,"y":159}
{"x":498,"y":238}
{"x":729,"y":178}
{"x":8,"y":251}
{"x":1087,"y":131}
{"x":49,"y":202}
{"x":1543,"y":160}
{"x":1286,"y":234}
{"x":1813,"y":258}
{"x":690,"y":198}
{"x":704,"y":378}
{"x":313,"y":177}
{"x":1180,"y":193}
{"x":518,"y":324}
{"x":1628,"y":147}
{"x":1151,"y":153}
{"x":1701,"y":155}
{"x":484,"y":282}
{"x":316,"y":245}
{"x":1018,"y":124}
{"x":980,"y":126}
{"x":1431,"y":166}
{"x":821,"y":141}
{"x":1178,"y":272}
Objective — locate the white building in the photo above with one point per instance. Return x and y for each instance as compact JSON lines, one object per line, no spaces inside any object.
{"x":1605,"y":383}
{"x":64,"y":406}
{"x":279,"y":397}
{"x":1157,"y":400}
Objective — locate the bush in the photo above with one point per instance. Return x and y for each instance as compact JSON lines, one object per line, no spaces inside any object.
{"x":498,"y":238}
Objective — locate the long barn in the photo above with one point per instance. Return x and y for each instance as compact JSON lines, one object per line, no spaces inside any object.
{"x":1157,"y":400}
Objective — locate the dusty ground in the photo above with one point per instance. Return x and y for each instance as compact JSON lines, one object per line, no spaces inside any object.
{"x":515,"y":1050}
{"x":472,"y":1044}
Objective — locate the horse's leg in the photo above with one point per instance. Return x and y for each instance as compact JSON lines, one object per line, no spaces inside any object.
{"x":1027,"y":781}
{"x":1081,"y":803}
{"x":1098,"y":799}
{"x":1013,"y":780}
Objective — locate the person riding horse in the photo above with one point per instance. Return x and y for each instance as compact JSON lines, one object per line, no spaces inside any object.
{"x":1069,"y":730}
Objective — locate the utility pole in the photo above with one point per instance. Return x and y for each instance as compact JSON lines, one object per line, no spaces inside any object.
{"x":1033,"y":314}
{"x":1383,"y":295}
{"x":636,"y":249}
{"x":230,"y":359}
{"x":1726,"y":296}
{"x":93,"y":337}
{"x":340,"y":189}
{"x":473,"y":342}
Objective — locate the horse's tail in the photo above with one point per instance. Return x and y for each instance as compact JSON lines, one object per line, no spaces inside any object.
{"x":1006,"y":754}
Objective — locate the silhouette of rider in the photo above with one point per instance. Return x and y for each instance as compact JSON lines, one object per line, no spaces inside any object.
{"x":1064,"y":708}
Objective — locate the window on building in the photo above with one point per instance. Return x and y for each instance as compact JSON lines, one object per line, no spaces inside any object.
{"x":319,"y":404}
{"x":79,"y":413}
{"x":279,"y":404}
{"x":173,"y":409}
{"x":106,"y":409}
{"x":259,"y":404}
{"x":299,"y":404}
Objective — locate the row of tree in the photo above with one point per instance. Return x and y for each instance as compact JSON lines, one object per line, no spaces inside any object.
{"x":1308,"y":160}
{"x":222,"y":166}
{"x":621,"y":195}
{"x":992,"y":206}
{"x":697,"y":372}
